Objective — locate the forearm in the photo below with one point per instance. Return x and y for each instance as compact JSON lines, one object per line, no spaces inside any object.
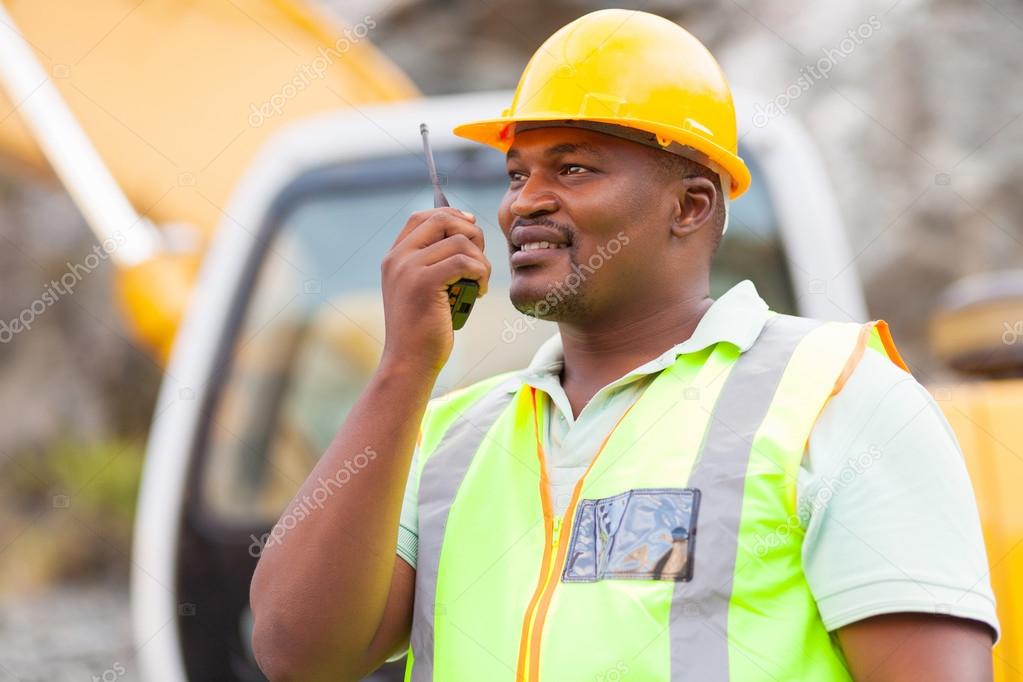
{"x":319,"y":591}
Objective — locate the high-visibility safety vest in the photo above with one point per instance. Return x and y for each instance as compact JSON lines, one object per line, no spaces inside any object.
{"x":678,"y":557}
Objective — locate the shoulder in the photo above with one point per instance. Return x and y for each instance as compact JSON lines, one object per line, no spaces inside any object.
{"x":465,"y":396}
{"x":876,"y":396}
{"x":866,"y":364}
{"x":844,"y":342}
{"x":874,"y":401}
{"x":443,"y":410}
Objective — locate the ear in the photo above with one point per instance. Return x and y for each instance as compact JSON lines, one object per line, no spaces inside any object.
{"x":697,"y":203}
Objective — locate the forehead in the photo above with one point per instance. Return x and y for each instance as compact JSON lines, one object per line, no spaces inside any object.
{"x":560,"y":140}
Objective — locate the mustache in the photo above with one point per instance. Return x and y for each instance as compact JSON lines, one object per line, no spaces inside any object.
{"x":560,"y":228}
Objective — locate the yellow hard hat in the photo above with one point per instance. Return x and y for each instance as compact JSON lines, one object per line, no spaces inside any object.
{"x":630,"y":69}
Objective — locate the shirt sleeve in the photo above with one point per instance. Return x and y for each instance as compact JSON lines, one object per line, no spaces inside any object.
{"x":408,"y":525}
{"x":885,"y":498}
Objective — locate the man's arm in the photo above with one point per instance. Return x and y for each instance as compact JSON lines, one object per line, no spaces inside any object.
{"x":905,"y":647}
{"x":330,"y":599}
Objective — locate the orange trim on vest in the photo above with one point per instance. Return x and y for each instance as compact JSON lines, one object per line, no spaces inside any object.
{"x":889,"y":344}
{"x":548,"y":524}
{"x":854,"y":359}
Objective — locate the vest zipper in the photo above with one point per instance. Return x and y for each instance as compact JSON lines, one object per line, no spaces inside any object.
{"x":551,"y":567}
{"x":536,"y":614}
{"x":554,"y":556}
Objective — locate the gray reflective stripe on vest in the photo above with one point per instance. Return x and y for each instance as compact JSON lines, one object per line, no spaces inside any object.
{"x":699,"y":609}
{"x":438,"y":484}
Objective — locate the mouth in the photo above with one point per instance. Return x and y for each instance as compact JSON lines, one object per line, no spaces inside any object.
{"x":536,"y":242}
{"x":531,"y":253}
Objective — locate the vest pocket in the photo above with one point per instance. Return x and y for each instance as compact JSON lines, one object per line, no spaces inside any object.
{"x":644,"y":534}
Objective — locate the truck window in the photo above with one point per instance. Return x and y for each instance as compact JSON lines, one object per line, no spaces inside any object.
{"x":308,"y":329}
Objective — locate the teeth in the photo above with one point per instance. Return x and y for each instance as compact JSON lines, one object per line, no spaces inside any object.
{"x":529,"y":246}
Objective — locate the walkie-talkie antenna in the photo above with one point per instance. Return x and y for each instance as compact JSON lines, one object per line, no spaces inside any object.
{"x":438,"y":196}
{"x":462,"y":294}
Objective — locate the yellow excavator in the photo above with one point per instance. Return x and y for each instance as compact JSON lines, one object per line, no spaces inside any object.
{"x":174,"y":98}
{"x":246,"y":164}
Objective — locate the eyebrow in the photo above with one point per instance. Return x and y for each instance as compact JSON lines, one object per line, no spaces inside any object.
{"x":563,"y":148}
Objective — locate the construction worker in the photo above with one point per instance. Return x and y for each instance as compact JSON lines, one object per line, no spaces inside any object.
{"x":676,"y":487}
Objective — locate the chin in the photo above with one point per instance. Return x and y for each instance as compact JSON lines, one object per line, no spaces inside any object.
{"x":534,"y":300}
{"x":545,"y":299}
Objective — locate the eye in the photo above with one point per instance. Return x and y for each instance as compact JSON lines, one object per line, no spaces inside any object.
{"x":575,"y":169}
{"x":516,"y":176}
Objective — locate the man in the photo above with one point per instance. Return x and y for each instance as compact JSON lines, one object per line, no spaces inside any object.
{"x":676,"y":488}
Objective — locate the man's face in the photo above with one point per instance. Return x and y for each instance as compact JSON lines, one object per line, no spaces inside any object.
{"x":599,"y":199}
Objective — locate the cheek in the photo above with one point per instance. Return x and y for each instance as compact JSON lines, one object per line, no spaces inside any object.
{"x":626,"y":246}
{"x":504,"y":216}
{"x":620,"y":204}
{"x":602,"y":262}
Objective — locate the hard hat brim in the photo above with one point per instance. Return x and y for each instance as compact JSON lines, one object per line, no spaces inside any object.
{"x":498,"y":133}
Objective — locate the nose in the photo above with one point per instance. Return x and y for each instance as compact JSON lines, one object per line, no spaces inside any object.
{"x":533,"y":199}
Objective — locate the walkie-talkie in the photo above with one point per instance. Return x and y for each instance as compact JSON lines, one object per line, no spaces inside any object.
{"x":462,"y":294}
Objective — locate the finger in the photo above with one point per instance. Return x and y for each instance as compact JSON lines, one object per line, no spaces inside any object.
{"x":444,"y":223}
{"x":438,"y":251}
{"x":449,"y":246}
{"x":419,"y":217}
{"x":459,"y":265}
{"x":414,"y":220}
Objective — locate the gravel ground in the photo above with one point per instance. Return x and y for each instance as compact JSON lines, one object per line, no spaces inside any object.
{"x":71,"y":633}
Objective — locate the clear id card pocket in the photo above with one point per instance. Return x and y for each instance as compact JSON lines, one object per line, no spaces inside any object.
{"x":642,"y":534}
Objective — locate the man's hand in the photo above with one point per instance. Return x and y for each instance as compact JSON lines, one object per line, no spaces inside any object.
{"x":436,"y":248}
{"x":904,"y":647}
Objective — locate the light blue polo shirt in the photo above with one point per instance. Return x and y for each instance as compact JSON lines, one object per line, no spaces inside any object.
{"x":883,"y":493}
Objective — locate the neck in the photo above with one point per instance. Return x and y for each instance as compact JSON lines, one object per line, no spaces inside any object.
{"x":596,"y":355}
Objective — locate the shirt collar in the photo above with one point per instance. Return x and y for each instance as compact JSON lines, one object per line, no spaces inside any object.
{"x":737,"y":316}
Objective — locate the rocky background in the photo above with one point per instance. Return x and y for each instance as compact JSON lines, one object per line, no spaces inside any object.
{"x":918,"y":119}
